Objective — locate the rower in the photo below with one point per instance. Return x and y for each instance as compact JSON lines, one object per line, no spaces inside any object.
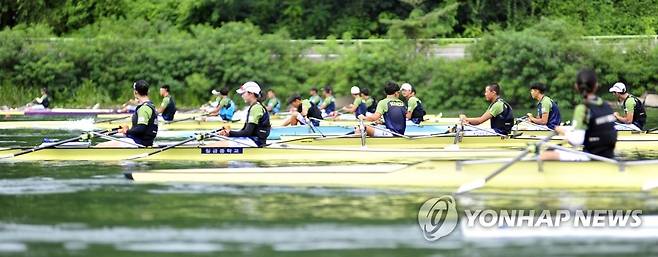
{"x":548,"y":112}
{"x":415,"y":111}
{"x":42,"y":102}
{"x":499,"y":112}
{"x":634,"y":112}
{"x":168,"y":106}
{"x":358,"y":107}
{"x":224,"y":107}
{"x":144,"y":127}
{"x":303,"y":110}
{"x":371,"y":105}
{"x":329,"y":103}
{"x":256,"y":128}
{"x":393,"y":111}
{"x":272,"y":103}
{"x":593,"y":124}
{"x":315,"y":98}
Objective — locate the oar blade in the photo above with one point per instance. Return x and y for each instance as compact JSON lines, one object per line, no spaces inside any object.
{"x":471,"y":186}
{"x":649,"y":185}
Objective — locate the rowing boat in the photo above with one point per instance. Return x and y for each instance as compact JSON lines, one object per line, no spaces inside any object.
{"x":272,"y":153}
{"x":61,"y":112}
{"x":590,"y":176}
{"x":640,"y":142}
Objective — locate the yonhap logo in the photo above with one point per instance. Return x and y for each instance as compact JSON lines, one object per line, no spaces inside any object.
{"x":433,"y":215}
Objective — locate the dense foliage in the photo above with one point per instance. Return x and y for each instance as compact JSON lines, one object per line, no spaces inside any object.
{"x":89,"y":52}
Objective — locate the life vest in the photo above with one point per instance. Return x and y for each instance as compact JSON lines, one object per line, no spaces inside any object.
{"x":226,"y":112}
{"x":418,"y":114}
{"x":639,"y":113}
{"x":330,"y":107}
{"x":313,"y":112}
{"x":373,"y":105}
{"x":361,"y":109}
{"x":263,"y":126}
{"x":503,"y":122}
{"x":395,"y":118}
{"x":169,"y":110}
{"x":148,"y":137}
{"x":601,"y":135}
{"x":46,"y":102}
{"x":554,"y":117}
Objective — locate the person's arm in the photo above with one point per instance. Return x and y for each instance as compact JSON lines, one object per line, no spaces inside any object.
{"x":163,"y":105}
{"x":374,"y":117}
{"x":306,"y":105}
{"x":629,"y":107}
{"x":410,"y":109}
{"x":248,"y":130}
{"x":575,"y":134}
{"x":325,"y":103}
{"x":479,"y":120}
{"x":143,"y":116}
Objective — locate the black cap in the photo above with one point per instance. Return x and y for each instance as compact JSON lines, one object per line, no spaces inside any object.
{"x":142,"y":87}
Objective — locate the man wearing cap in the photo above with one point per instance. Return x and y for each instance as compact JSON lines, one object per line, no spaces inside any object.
{"x":256,"y":128}
{"x":415,"y":110}
{"x":548,"y":112}
{"x":328,"y":105}
{"x":144,"y":127}
{"x":224,"y":106}
{"x":634,"y":112}
{"x":358,"y":107}
{"x":272,"y":103}
{"x":393,"y":111}
{"x":499,"y":112}
{"x":315,"y":98}
{"x":303,"y":111}
{"x":168,"y":107}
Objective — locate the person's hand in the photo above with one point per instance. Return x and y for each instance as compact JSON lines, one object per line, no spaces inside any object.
{"x":361,"y":117}
{"x":123,"y":129}
{"x":529,"y":115}
{"x":616,"y":115}
{"x":462,"y":119}
{"x":560,"y":130}
{"x":224,"y":133}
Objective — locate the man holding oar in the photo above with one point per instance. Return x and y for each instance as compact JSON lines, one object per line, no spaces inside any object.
{"x":593,"y":124}
{"x":415,"y":111}
{"x":225,"y":107}
{"x":256,"y":128}
{"x":314,"y":98}
{"x":144,"y":127}
{"x":371,"y":105}
{"x":548,"y":113}
{"x":168,"y":106}
{"x":329,"y":103}
{"x":393,"y":111}
{"x":499,"y":112}
{"x":634,"y":112}
{"x":358,"y":107}
{"x":303,"y":111}
{"x":42,"y":102}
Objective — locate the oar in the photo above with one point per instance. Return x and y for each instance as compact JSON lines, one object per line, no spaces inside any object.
{"x":362,"y":128}
{"x":313,"y":127}
{"x":467,"y":187}
{"x":652,"y":130}
{"x":591,"y":156}
{"x":111,"y":120}
{"x":626,"y":126}
{"x":198,"y":137}
{"x":188,"y":118}
{"x":484,"y":130}
{"x":37,"y":148}
{"x":389,"y":131}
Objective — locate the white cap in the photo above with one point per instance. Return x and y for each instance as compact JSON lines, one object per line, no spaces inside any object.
{"x":215,"y":92}
{"x":618,"y":87}
{"x":250,"y":86}
{"x":355,"y":90}
{"x":406,"y":86}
